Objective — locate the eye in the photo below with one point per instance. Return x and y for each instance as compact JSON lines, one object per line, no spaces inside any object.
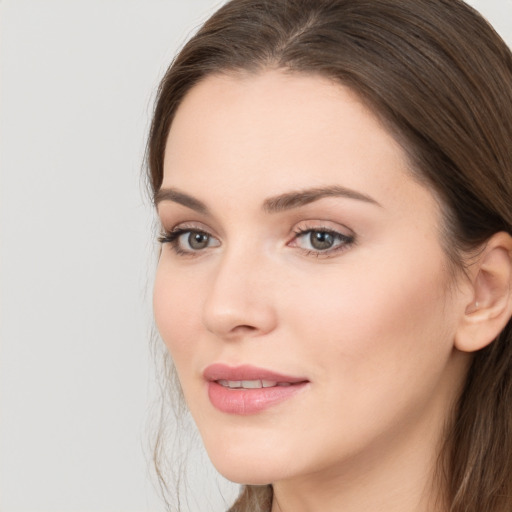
{"x":189,"y":241}
{"x":195,"y":240}
{"x":321,"y":241}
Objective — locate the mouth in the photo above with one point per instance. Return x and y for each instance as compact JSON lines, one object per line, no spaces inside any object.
{"x":251,"y":384}
{"x":245,"y":390}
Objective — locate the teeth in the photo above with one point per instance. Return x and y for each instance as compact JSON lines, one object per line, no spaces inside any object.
{"x":249,"y":384}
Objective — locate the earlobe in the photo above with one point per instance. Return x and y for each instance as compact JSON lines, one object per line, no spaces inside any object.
{"x":490,"y":305}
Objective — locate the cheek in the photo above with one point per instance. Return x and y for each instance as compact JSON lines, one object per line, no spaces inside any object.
{"x":379,"y":318}
{"x":177,"y":310}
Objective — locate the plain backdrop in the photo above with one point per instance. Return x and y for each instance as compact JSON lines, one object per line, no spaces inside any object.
{"x":77,"y":83}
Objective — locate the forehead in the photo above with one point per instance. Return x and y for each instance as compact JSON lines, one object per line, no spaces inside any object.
{"x":258,"y":135}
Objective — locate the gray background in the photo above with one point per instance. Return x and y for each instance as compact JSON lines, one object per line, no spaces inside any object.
{"x":77,"y":82}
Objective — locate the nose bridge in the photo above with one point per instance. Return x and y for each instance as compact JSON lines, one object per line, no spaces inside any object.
{"x":239,"y":296}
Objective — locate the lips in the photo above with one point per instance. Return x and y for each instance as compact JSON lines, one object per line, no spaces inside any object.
{"x":246,"y":373}
{"x":244,"y":390}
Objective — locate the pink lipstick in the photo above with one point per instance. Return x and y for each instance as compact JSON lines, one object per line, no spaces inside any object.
{"x":247,"y":389}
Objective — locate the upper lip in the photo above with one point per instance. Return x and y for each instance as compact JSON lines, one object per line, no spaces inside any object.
{"x":220,"y":371}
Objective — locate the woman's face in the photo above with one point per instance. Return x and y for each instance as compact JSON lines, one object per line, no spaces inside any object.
{"x":302,"y":289}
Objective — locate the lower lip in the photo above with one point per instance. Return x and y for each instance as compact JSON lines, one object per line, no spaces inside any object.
{"x":250,"y":401}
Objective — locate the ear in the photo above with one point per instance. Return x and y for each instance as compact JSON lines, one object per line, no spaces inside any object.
{"x":489,"y":307}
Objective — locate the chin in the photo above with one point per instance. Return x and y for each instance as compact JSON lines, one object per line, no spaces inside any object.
{"x":247,"y":479}
{"x":249,"y":467}
{"x":246,"y":473}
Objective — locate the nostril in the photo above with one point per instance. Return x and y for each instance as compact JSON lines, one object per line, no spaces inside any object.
{"x":241,"y":330}
{"x":244,"y":328}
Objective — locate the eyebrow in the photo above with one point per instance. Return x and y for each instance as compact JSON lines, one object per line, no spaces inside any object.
{"x":282,"y":202}
{"x":171,"y":194}
{"x":300,"y":198}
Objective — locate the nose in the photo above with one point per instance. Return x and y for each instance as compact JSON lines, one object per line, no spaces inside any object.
{"x":239,"y":301}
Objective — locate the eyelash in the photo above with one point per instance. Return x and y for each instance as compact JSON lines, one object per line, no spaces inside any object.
{"x":345,"y":241}
{"x":173,"y":236}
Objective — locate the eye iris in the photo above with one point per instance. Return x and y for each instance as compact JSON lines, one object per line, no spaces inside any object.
{"x":321,"y":240}
{"x":198,"y":240}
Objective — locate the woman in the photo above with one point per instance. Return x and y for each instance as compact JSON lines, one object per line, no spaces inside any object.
{"x":334,"y":183}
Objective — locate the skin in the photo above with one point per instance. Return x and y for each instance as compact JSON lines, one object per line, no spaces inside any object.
{"x":371,"y":325}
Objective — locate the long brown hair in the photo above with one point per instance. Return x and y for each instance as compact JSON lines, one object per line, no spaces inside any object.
{"x":440,"y":78}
